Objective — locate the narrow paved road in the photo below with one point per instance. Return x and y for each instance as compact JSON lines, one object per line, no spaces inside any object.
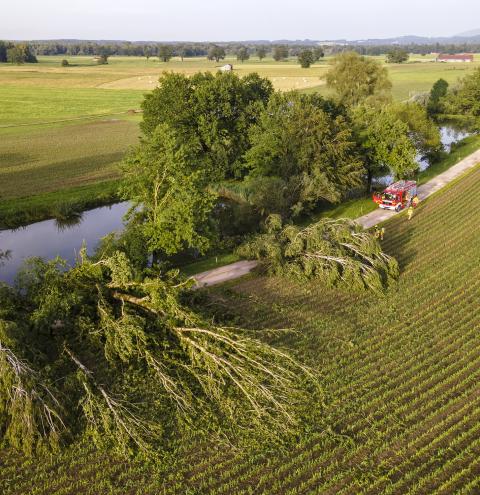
{"x":240,"y":268}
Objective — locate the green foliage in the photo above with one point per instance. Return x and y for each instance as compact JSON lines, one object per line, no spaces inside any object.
{"x":293,"y":162}
{"x":3,"y":51}
{"x":261,"y":52}
{"x":355,"y":79}
{"x":216,"y":53}
{"x":280,"y":53}
{"x":465,"y":98}
{"x":385,"y":142}
{"x":397,"y":56}
{"x":215,"y":110}
{"x":243,"y":54}
{"x":333,"y":251}
{"x":435,"y":104}
{"x":423,"y":131}
{"x":166,"y":183}
{"x":103,"y":351}
{"x":165,"y":52}
{"x":306,"y":58}
{"x":64,"y":63}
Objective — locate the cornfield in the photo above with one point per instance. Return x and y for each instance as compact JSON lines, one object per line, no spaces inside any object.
{"x":400,"y":374}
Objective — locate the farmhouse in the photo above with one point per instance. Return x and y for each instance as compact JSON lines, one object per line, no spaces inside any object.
{"x":458,"y":57}
{"x":226,"y":68}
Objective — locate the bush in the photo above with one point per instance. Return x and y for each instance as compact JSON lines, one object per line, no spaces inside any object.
{"x":65,"y":63}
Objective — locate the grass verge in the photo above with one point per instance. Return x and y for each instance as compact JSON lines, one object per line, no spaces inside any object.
{"x":59,"y":204}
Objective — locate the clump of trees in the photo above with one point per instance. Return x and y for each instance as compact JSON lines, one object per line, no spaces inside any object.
{"x":18,"y":54}
{"x":100,"y":351}
{"x":464,"y":99}
{"x":337,"y":252}
{"x":165,"y":53}
{"x":243,"y":54}
{"x":397,"y":56}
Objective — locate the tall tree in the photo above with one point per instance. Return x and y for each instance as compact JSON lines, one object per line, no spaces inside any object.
{"x":292,"y":155}
{"x":216,"y":53}
{"x":385,"y":143}
{"x":435,"y":104}
{"x":165,"y":52}
{"x":397,"y":56}
{"x":16,"y":55}
{"x":318,"y":53}
{"x":261,"y":52}
{"x":280,"y":52}
{"x":167,"y":185}
{"x":306,"y":58}
{"x":356,"y":78}
{"x":3,"y":51}
{"x":242,"y":54}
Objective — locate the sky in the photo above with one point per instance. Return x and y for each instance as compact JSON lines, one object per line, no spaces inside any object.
{"x":227,"y":20}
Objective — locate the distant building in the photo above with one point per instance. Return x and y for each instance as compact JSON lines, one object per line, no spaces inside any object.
{"x":458,"y":57}
{"x":226,"y":68}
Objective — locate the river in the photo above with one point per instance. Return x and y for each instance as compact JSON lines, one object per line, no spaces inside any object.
{"x":49,"y":238}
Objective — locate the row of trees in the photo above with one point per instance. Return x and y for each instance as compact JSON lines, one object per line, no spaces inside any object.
{"x":19,"y":53}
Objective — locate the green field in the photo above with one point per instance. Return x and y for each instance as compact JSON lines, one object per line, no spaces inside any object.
{"x":400,"y":373}
{"x":64,"y":127}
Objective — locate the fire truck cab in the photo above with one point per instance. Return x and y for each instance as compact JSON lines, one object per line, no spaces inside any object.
{"x":397,"y":196}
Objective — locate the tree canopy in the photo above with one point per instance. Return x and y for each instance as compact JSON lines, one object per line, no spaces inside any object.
{"x":385,"y":142}
{"x":166,"y":182}
{"x":215,"y":110}
{"x":216,"y":53}
{"x":306,"y":58}
{"x":292,"y":147}
{"x":397,"y":56}
{"x":435,"y":104}
{"x":355,"y":78}
{"x":465,"y":98}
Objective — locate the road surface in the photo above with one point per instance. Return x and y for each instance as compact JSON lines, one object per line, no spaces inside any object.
{"x":240,"y":268}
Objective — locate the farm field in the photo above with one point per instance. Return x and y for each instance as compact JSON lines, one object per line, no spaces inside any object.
{"x":400,"y":373}
{"x":63,"y":127}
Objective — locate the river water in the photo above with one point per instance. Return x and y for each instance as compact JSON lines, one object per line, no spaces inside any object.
{"x":49,"y":239}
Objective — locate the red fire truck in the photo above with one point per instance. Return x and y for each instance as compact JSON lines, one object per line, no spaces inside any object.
{"x":397,"y":196}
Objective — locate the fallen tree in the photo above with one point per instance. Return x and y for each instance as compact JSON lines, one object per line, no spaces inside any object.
{"x":333,"y":251}
{"x":99,"y":350}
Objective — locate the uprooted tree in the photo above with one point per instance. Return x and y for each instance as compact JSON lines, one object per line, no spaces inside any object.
{"x":99,"y":351}
{"x":338,"y":252}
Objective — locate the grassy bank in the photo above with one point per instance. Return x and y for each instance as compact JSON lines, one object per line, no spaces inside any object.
{"x":60,"y":204}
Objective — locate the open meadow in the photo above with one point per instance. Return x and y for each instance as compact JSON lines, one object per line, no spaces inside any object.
{"x":66,"y":127}
{"x":399,"y":372}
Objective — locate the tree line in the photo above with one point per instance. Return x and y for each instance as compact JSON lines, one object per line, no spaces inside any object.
{"x":17,"y":53}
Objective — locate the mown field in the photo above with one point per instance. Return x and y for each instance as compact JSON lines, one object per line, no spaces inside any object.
{"x":400,"y":374}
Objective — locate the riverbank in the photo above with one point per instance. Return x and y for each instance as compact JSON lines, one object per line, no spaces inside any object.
{"x":62,"y":204}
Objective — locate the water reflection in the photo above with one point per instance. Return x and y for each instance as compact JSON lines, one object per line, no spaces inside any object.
{"x":50,"y":238}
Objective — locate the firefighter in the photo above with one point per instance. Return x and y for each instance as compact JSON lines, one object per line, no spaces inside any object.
{"x":377,"y":232}
{"x":382,"y":233}
{"x":415,"y":201}
{"x":410,"y":212}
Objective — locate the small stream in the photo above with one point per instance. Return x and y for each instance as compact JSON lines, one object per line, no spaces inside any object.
{"x":49,"y":239}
